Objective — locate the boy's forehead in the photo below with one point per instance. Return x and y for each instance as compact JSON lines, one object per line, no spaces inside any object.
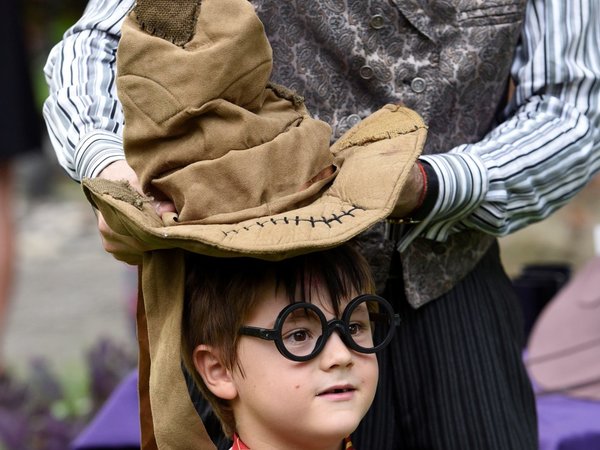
{"x":313,"y":290}
{"x":310,"y":287}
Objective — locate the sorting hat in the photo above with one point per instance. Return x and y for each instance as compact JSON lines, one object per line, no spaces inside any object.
{"x":564,"y":346}
{"x":250,"y":172}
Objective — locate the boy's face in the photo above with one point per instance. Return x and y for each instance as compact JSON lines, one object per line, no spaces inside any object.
{"x":313,"y":404}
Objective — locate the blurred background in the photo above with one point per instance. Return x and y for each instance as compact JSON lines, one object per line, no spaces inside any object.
{"x":69,"y":336}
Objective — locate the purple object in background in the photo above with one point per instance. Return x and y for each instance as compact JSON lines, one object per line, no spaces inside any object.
{"x":117,"y":423}
{"x":567,"y":423}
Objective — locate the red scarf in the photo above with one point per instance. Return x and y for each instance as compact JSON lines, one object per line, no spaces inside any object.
{"x":239,"y":445}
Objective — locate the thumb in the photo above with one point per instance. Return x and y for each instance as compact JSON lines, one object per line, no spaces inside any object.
{"x":164,"y":206}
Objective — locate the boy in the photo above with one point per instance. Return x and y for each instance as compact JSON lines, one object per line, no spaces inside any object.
{"x":309,"y":389}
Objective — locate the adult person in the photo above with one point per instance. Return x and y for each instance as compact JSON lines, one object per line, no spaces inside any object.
{"x":494,"y":163}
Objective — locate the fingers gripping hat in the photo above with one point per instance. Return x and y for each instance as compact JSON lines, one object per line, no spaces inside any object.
{"x":251,"y":173}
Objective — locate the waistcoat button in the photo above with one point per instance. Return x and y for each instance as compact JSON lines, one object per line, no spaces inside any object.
{"x":366,"y":72}
{"x":377,"y":22}
{"x":418,"y":85}
{"x":353,"y":119}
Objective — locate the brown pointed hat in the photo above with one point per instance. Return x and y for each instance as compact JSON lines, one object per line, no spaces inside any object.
{"x":251,"y":173}
{"x":237,"y":155}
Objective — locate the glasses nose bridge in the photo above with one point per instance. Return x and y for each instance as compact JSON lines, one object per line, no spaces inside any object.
{"x":336,"y":325}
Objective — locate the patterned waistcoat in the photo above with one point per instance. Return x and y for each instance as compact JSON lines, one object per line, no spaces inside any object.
{"x":447,"y":59}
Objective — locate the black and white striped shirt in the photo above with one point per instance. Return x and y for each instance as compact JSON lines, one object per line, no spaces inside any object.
{"x":542,"y":155}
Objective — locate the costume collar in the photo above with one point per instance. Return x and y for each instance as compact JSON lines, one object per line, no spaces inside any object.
{"x":238,"y":444}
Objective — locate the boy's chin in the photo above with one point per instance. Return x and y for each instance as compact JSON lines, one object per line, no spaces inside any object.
{"x":339,"y":427}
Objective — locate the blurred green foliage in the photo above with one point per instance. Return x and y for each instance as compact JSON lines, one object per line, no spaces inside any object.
{"x":45,"y":21}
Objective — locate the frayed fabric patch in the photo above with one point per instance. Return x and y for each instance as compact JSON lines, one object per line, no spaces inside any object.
{"x":120,"y":190}
{"x":392,"y":121}
{"x":174,"y":21}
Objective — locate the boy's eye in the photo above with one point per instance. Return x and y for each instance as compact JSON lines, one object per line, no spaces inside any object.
{"x":361,"y":333}
{"x":356,"y":328}
{"x":301,"y":328}
{"x":297,"y":336}
{"x":300,"y":336}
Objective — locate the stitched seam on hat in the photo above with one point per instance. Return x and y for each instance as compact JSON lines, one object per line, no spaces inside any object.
{"x":296,"y":220}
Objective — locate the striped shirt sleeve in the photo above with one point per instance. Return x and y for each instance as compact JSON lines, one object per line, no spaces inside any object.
{"x":82,"y":113}
{"x":548,"y":147}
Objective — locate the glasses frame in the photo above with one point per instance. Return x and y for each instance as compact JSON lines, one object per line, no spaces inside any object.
{"x":339,"y":325}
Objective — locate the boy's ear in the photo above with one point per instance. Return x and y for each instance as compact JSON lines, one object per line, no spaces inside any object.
{"x":216,"y":376}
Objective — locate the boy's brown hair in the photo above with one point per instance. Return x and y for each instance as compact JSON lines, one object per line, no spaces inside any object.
{"x":221,"y":292}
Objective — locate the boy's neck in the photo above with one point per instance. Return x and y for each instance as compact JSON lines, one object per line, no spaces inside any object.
{"x":238,"y":444}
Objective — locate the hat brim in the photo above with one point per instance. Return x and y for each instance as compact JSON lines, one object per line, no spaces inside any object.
{"x":374,"y":165}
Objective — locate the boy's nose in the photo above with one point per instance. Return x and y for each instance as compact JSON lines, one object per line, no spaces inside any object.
{"x":335,"y":353}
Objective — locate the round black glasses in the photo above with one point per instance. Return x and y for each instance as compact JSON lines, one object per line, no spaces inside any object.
{"x":301,"y":330}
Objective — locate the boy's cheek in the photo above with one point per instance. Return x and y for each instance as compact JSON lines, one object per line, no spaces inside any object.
{"x":371,"y":372}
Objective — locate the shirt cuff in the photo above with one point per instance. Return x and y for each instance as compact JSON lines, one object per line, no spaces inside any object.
{"x":462,"y":183}
{"x":95,"y":151}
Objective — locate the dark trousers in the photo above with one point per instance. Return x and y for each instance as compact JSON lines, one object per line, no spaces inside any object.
{"x":453,"y":377}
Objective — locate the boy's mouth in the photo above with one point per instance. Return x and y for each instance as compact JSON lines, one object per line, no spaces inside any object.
{"x":337,"y":390}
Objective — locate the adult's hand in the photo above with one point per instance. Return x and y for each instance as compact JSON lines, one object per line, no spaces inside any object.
{"x":411,"y":195}
{"x":122,"y":247}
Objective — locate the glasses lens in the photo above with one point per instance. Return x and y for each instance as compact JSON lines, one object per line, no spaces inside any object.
{"x":370,"y":324}
{"x":300,"y":331}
